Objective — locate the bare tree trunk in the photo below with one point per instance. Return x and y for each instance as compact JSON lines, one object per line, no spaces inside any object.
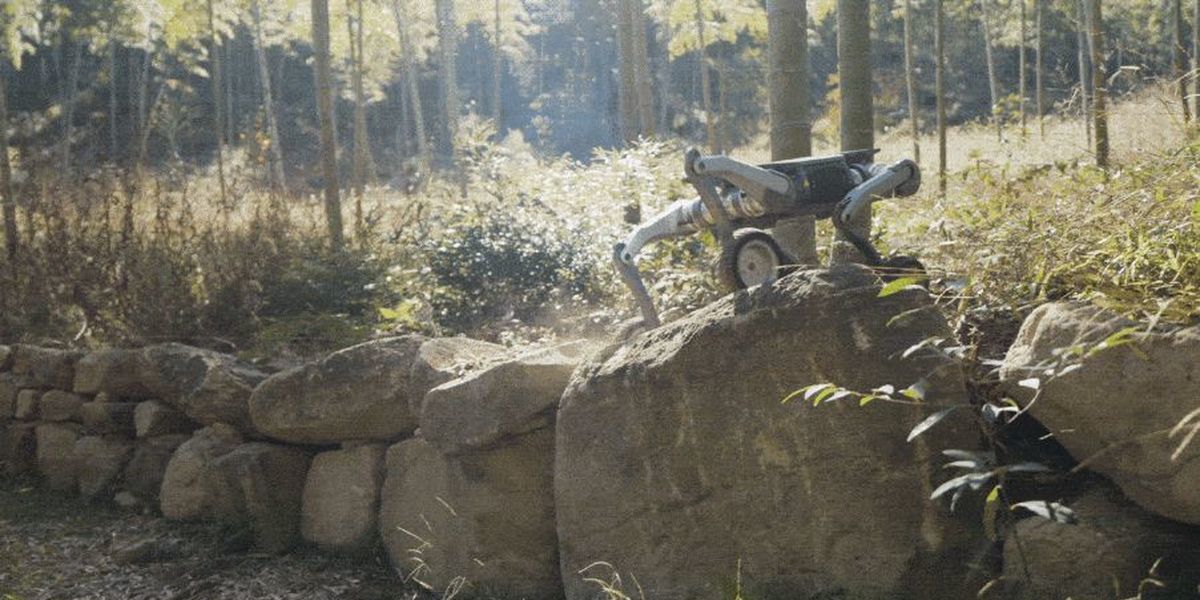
{"x":939,"y":48}
{"x":627,"y":102}
{"x":791,"y":109}
{"x":642,"y":67}
{"x":112,"y":100}
{"x":219,"y":120}
{"x":1179,"y":55}
{"x":264,"y":76}
{"x":1196,"y":58}
{"x":362,"y":144}
{"x":705,"y":82}
{"x":857,"y":103}
{"x":1100,"y":84}
{"x":1039,"y":8}
{"x":11,"y":241}
{"x":1084,"y":69}
{"x":723,"y":134}
{"x":1021,"y":72}
{"x":910,"y":77}
{"x":448,"y":50}
{"x":411,"y":84}
{"x":498,"y":72}
{"x":324,"y":84}
{"x":69,"y":107}
{"x":993,"y":78}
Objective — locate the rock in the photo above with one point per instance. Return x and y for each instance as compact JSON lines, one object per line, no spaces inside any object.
{"x":482,"y":520}
{"x":114,"y":371}
{"x":128,"y":501}
{"x":8,"y":396}
{"x":443,"y":359}
{"x":108,"y":417}
{"x":509,"y":398}
{"x":677,"y":462}
{"x":260,"y":486}
{"x":188,"y":483}
{"x":145,"y":471}
{"x":28,"y":405}
{"x":152,"y":418}
{"x":340,"y":509}
{"x":19,"y":451}
{"x":148,"y":551}
{"x":1115,"y":411}
{"x":1106,"y":554}
{"x":100,"y":462}
{"x":36,"y":367}
{"x":360,"y":393}
{"x":6,"y":355}
{"x":209,"y":387}
{"x":56,"y":455}
{"x":57,"y":405}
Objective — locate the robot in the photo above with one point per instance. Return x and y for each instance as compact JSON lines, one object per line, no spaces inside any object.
{"x":739,"y":202}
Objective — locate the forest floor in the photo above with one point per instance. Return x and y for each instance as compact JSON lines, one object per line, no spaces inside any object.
{"x":60,"y":549}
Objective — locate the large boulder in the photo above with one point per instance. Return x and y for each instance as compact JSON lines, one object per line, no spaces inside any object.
{"x":507,"y":399}
{"x":678,"y":465}
{"x":108,"y":417}
{"x":443,"y":359}
{"x":115,"y":371}
{"x":57,"y":405}
{"x":37,"y":367}
{"x":18,"y":453}
{"x":152,"y":418}
{"x":481,"y":522}
{"x":361,"y":393}
{"x":1116,"y":409}
{"x":145,"y":471}
{"x":188,"y":485}
{"x":8,"y":396}
{"x":56,"y":455}
{"x":340,"y":509}
{"x":6,"y":355}
{"x":28,"y":406}
{"x":99,"y":462}
{"x":209,"y":387}
{"x":258,"y":486}
{"x":1106,"y":552}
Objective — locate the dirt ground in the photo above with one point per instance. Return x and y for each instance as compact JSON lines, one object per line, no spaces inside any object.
{"x":56,"y":548}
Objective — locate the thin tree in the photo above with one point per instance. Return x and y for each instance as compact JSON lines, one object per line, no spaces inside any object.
{"x":497,"y":69}
{"x":268,"y":98}
{"x":1179,"y":55}
{"x":362,"y":146}
{"x":411,"y":86}
{"x":939,"y":48}
{"x":714,"y":142}
{"x":1021,"y":91}
{"x":626,"y":73}
{"x":448,"y":57}
{"x":6,"y":188}
{"x":1196,"y":57}
{"x":856,"y":102}
{"x":1099,"y":84}
{"x":910,"y":77}
{"x":1084,"y":68}
{"x":989,"y":54}
{"x":642,"y":67}
{"x":1039,"y":67}
{"x":218,"y":108}
{"x":111,"y":67}
{"x":791,"y":108}
{"x":324,"y":90}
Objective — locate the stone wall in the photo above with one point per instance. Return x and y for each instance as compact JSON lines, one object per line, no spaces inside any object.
{"x":665,"y":466}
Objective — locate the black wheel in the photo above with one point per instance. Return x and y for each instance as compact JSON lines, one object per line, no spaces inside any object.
{"x":754,"y":258}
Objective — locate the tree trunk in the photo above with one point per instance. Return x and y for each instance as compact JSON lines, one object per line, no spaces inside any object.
{"x":6,"y":189}
{"x":857,"y":104}
{"x":705,"y":82}
{"x":268,"y":99}
{"x":910,"y":78}
{"x":790,"y":106}
{"x":939,"y":48}
{"x":1084,"y":69}
{"x":1179,"y":55}
{"x":69,"y":100}
{"x":324,"y":84}
{"x":498,"y":72}
{"x":1039,"y":68}
{"x":219,"y":117}
{"x":642,"y":67}
{"x":993,"y":78}
{"x":112,"y":100}
{"x":362,"y":145}
{"x":1021,"y":91}
{"x":412,"y":86}
{"x":1099,"y":84}
{"x":627,"y":103}
{"x":1196,"y":58}
{"x":448,"y":51}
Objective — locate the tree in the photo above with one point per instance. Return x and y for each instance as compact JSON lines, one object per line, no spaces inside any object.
{"x":1084,"y":67}
{"x":856,"y":102}
{"x":989,"y":52}
{"x":1099,"y":83}
{"x":362,"y":149}
{"x":448,"y":74}
{"x":641,"y":67}
{"x":627,"y":90}
{"x":1021,"y":71}
{"x":939,"y":49}
{"x":218,"y":110}
{"x":790,"y":108}
{"x":714,"y":143}
{"x":910,"y":78}
{"x":268,"y":97}
{"x":18,"y":21}
{"x":1039,"y":68}
{"x":324,"y":91}
{"x":1180,"y":58}
{"x":408,"y":64}
{"x":1196,"y":57}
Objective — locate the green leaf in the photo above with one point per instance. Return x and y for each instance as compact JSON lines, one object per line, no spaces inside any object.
{"x":916,"y":391}
{"x":991,"y":510}
{"x":930,"y":421}
{"x":898,"y":285}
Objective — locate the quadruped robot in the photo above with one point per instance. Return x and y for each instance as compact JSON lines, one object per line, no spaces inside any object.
{"x":739,"y":202}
